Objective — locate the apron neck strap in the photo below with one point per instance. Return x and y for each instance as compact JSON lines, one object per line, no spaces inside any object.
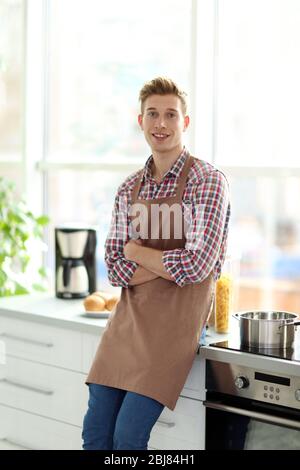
{"x":180,"y":187}
{"x":136,"y":187}
{"x":184,"y":176}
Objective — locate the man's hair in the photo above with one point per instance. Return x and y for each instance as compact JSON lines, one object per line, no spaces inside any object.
{"x":162,"y":86}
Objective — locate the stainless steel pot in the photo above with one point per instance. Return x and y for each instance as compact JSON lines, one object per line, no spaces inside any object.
{"x":267,"y":329}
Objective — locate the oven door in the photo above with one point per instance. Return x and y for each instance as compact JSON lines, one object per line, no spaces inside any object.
{"x":236,"y":423}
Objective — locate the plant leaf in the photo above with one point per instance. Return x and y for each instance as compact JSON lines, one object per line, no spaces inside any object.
{"x":39,"y":287}
{"x":18,"y":228}
{"x":3,"y":277}
{"x":42,"y":220}
{"x":42,"y":272}
{"x":20,"y":290}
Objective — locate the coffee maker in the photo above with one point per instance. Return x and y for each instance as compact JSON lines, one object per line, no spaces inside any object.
{"x":75,"y":262}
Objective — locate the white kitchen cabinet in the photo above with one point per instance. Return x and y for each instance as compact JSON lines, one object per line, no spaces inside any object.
{"x":43,"y":396}
{"x":22,"y":430}
{"x":40,"y":342}
{"x":179,"y":429}
{"x":48,"y":391}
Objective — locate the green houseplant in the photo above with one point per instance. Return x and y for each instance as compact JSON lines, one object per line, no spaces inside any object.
{"x":20,"y":233}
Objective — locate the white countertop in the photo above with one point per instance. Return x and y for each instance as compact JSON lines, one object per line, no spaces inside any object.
{"x":65,"y":313}
{"x":46,"y":308}
{"x":69,"y":313}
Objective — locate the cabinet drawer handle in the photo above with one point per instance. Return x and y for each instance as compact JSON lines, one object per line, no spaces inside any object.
{"x":44,"y":391}
{"x":15,"y":443}
{"x":166,"y":424}
{"x":26,"y":340}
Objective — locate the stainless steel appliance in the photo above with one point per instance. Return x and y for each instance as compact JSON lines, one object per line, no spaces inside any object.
{"x":252,"y":396}
{"x":75,"y":261}
{"x":267,"y":329}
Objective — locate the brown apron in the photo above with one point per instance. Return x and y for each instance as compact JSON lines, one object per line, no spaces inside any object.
{"x":151,"y":339}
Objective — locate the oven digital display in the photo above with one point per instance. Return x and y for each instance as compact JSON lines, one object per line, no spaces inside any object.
{"x":272,"y":378}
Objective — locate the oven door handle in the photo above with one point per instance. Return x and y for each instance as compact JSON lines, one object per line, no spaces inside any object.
{"x":290,"y":423}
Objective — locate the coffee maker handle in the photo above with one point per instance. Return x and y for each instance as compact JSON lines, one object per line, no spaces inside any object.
{"x":67,"y":272}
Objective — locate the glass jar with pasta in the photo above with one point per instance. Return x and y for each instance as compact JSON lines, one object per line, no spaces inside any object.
{"x":223,"y":298}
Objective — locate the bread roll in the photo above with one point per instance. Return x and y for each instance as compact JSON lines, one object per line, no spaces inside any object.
{"x":98,"y":293}
{"x":111,"y":303}
{"x":94,"y":303}
{"x":105,"y":295}
{"x":109,"y":299}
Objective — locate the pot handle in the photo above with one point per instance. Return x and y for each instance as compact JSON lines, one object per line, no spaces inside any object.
{"x":237,"y":317}
{"x":296,"y":323}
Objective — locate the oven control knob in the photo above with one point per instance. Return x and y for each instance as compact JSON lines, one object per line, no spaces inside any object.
{"x":297,"y":394}
{"x":241,"y":382}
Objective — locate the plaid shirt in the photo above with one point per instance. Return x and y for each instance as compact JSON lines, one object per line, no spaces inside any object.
{"x":206,"y":186}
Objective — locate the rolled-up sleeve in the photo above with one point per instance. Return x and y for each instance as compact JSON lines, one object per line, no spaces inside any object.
{"x":120,"y":270}
{"x":206,"y":227}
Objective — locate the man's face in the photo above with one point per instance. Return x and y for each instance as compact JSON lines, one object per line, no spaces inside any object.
{"x":163,"y":123}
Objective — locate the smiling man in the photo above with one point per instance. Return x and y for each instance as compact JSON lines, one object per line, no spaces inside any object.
{"x":150,"y":342}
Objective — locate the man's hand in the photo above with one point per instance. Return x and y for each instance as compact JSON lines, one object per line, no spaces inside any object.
{"x":148,"y":258}
{"x":141,"y":275}
{"x":131,"y":249}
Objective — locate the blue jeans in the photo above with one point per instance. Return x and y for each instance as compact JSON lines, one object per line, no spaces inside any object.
{"x":117,"y":419}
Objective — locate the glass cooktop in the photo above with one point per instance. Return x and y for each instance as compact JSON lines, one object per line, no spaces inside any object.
{"x":233,"y":343}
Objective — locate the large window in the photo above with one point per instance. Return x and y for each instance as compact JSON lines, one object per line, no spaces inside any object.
{"x":101,"y":53}
{"x":256,"y":106}
{"x":86,"y":61}
{"x":265,"y":241}
{"x":257,"y":85}
{"x":11,"y":79}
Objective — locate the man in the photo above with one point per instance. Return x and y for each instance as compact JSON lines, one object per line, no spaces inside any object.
{"x":167,"y":277}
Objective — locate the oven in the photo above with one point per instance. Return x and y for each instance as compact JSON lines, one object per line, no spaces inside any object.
{"x":250,"y":409}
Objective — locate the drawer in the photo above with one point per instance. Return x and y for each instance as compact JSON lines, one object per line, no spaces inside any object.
{"x":89,"y":347}
{"x":45,"y":390}
{"x":182,"y":428}
{"x":39,"y":342}
{"x":22,"y":430}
